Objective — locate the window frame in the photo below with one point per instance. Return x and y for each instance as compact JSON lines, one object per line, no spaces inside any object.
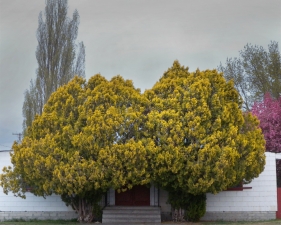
{"x":238,"y":187}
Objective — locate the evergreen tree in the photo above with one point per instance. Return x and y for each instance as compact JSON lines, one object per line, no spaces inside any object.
{"x":187,"y":134}
{"x":203,"y":142}
{"x":86,"y":141}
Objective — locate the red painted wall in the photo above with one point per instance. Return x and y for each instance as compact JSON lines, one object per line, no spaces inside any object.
{"x":278,"y":213}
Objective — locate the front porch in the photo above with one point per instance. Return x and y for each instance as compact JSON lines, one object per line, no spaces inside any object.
{"x":137,"y":205}
{"x":137,"y":196}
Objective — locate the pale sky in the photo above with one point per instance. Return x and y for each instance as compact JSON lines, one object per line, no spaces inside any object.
{"x":138,"y":39}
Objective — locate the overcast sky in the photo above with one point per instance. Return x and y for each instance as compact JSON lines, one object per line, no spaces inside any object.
{"x":138,"y":39}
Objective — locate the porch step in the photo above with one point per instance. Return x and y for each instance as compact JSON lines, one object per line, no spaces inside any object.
{"x":131,"y":215}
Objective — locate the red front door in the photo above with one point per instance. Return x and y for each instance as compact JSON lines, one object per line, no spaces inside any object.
{"x":138,"y":196}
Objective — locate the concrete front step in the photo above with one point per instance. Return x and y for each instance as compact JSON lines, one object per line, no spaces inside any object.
{"x":134,"y":215}
{"x":131,"y":215}
{"x":139,"y":223}
{"x":129,"y":221}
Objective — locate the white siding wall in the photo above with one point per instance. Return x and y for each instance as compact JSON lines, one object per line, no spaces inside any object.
{"x":163,"y":198}
{"x":262,"y":196}
{"x":250,"y":203}
{"x":31,"y":203}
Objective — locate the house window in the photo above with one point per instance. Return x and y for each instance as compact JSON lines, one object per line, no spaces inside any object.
{"x":26,"y":186}
{"x":238,"y":187}
{"x":28,"y":189}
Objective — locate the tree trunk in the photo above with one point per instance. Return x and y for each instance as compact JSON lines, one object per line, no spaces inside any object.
{"x":85,"y":211}
{"x":177,"y":215}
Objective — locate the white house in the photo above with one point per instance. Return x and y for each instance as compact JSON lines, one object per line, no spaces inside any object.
{"x":257,"y":201}
{"x":32,"y":207}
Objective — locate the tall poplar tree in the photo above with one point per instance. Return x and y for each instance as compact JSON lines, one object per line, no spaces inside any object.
{"x":59,"y":57}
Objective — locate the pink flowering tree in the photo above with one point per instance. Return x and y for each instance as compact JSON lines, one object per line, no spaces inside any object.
{"x":269,"y":114}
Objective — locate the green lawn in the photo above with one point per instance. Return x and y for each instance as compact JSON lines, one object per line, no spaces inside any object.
{"x":44,"y":222}
{"x":270,"y":222}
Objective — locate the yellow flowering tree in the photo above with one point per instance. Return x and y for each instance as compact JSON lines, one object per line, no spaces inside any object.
{"x":202,"y":143}
{"x":187,"y":134}
{"x":87,"y":140}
